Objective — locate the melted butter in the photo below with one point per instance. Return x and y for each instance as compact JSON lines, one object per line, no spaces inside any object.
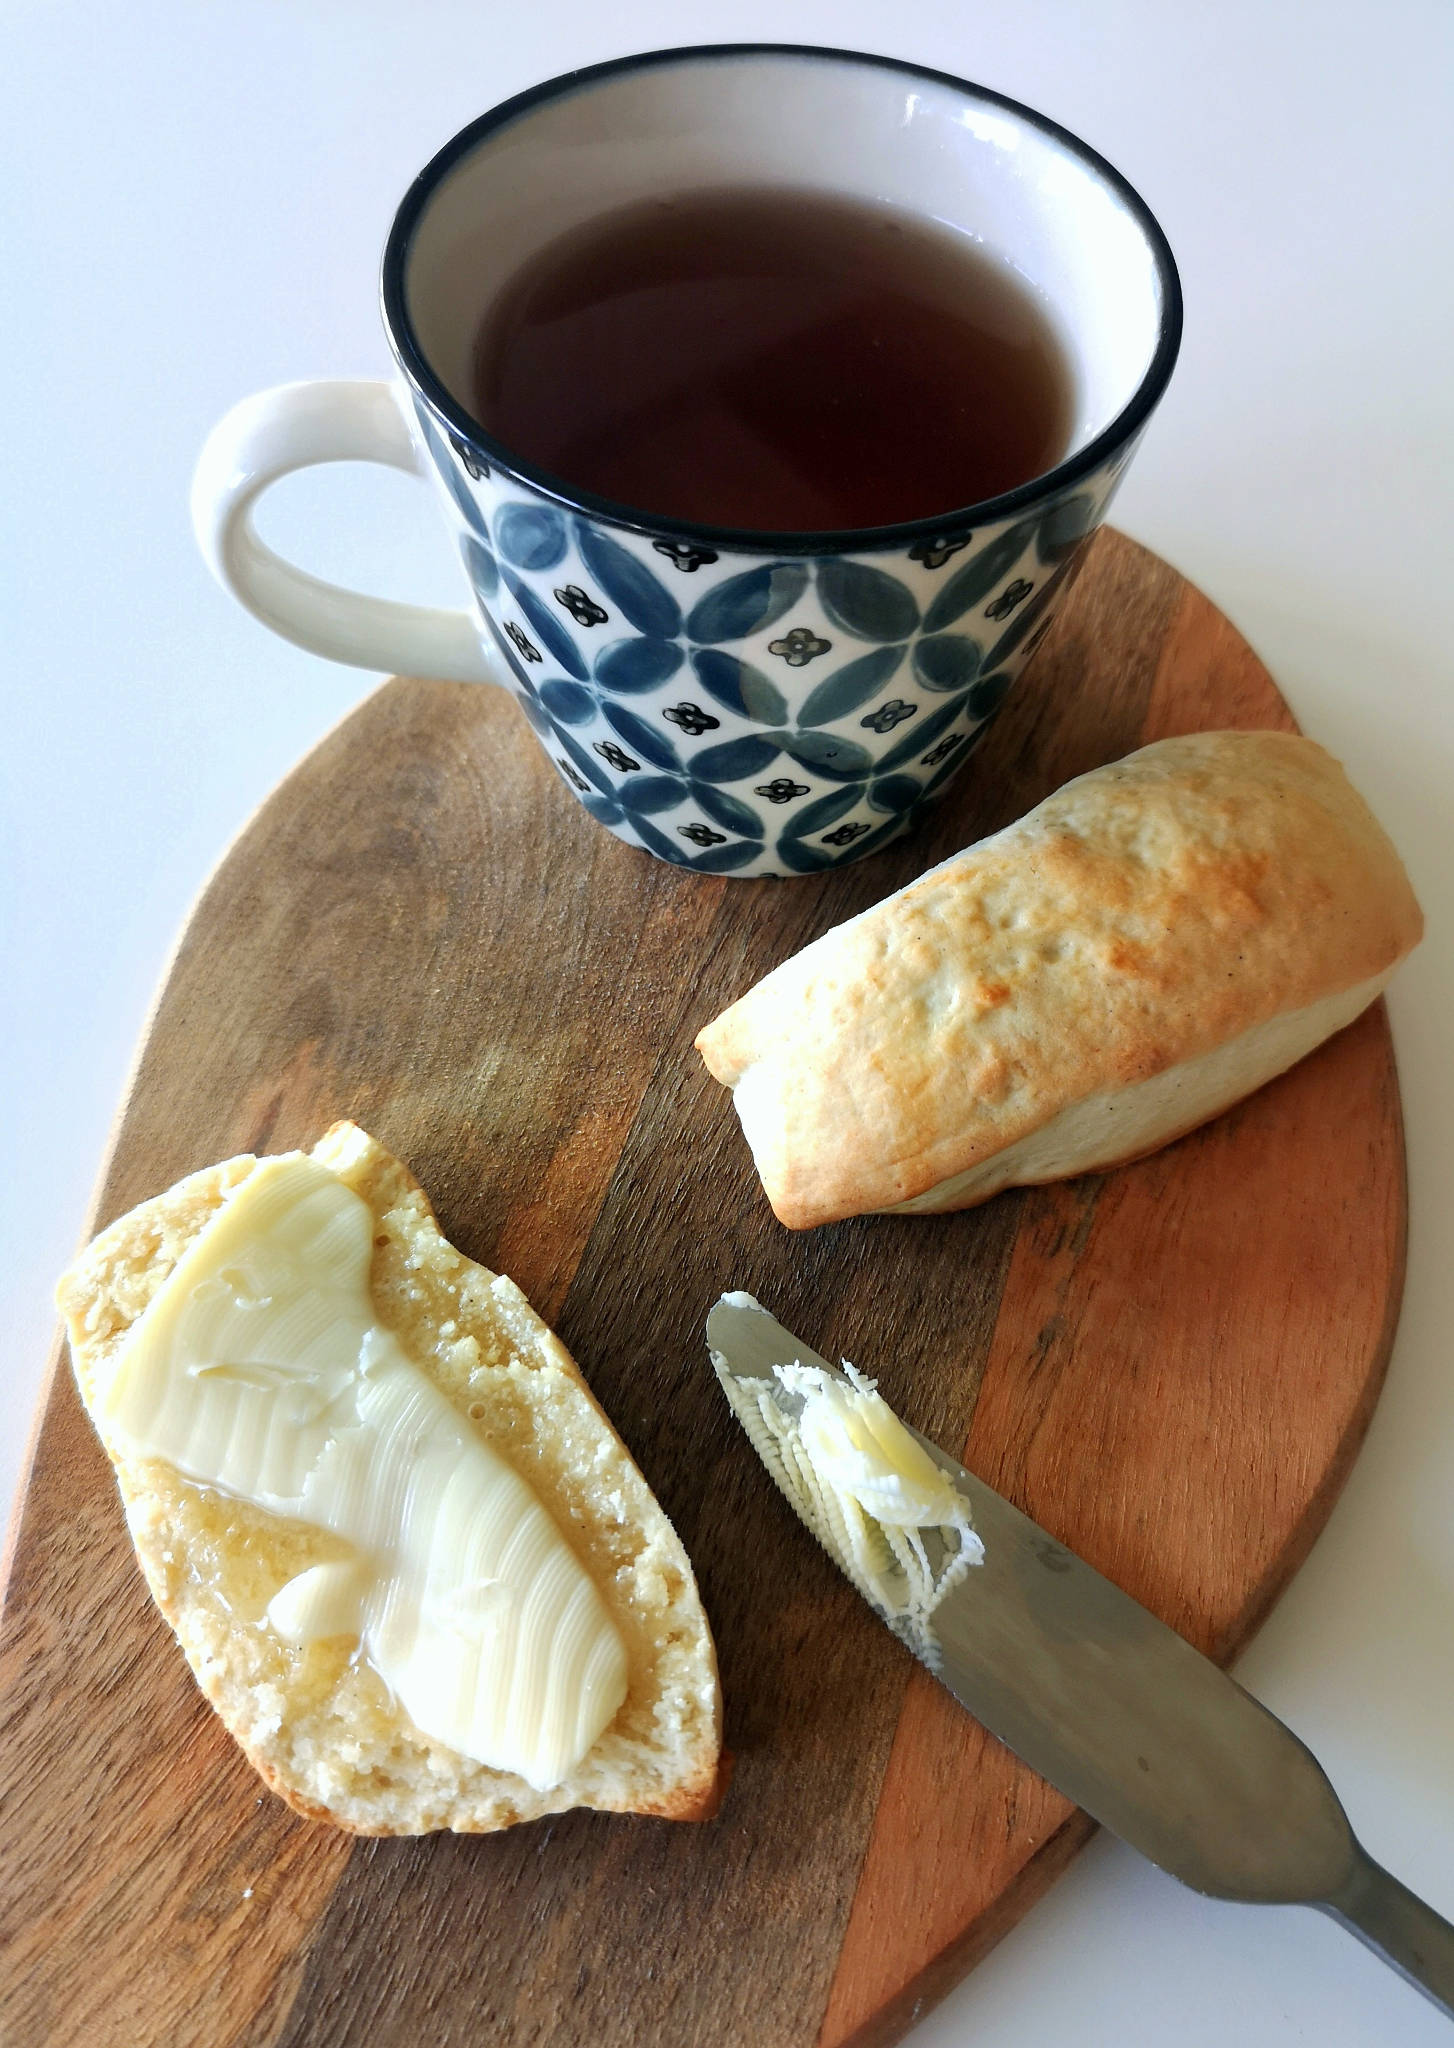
{"x":261,"y":1369}
{"x":888,"y":1515}
{"x":326,"y":1600}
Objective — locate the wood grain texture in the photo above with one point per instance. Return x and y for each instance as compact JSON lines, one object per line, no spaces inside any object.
{"x":1171,"y":1367}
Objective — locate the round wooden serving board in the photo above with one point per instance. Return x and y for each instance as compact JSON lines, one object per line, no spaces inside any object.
{"x":1170,"y":1367}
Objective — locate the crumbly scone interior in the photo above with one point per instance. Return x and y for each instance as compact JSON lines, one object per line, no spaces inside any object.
{"x":317,"y":1720}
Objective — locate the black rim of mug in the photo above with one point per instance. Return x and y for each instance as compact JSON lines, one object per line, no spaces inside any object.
{"x":1051,"y":484}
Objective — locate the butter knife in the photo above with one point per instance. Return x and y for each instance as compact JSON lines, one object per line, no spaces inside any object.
{"x":1121,"y":1714}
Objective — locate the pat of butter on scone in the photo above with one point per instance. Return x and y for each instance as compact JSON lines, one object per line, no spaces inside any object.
{"x":261,"y":1369}
{"x":283,"y":1619}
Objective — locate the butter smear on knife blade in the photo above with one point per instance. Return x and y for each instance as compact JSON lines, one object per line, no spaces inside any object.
{"x":887,"y":1514}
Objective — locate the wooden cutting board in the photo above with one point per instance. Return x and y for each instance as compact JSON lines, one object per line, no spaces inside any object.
{"x":1170,"y":1367}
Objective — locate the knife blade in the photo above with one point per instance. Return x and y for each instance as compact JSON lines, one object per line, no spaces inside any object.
{"x":1117,"y":1710}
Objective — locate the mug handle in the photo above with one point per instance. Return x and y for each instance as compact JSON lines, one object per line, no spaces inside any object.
{"x":292,"y":427}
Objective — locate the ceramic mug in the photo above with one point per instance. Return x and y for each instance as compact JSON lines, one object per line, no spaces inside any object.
{"x":738,"y":703}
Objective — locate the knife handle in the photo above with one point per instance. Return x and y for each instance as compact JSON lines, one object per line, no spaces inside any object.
{"x":1398,"y":1926}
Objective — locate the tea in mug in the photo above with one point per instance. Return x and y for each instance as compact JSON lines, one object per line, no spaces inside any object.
{"x":777,"y":361}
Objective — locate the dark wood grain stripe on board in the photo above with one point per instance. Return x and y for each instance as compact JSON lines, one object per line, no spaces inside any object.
{"x":961,"y":1824}
{"x":812,"y":1693}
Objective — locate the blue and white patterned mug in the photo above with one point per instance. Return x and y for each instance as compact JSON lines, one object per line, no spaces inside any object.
{"x":738,"y":703}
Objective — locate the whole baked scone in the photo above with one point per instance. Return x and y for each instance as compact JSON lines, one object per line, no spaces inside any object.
{"x":1147,"y":946}
{"x":362,"y":1477}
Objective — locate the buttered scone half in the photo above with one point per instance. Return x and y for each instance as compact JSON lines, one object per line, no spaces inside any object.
{"x":407,"y":1557}
{"x":1146,"y":947}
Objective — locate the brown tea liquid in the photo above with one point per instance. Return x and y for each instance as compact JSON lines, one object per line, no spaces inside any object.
{"x":773,"y":360}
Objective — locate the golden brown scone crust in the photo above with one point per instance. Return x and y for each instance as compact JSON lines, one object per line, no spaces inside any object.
{"x":1143,"y":915}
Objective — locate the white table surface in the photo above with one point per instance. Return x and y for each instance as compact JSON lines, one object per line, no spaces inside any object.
{"x":193,"y":203}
